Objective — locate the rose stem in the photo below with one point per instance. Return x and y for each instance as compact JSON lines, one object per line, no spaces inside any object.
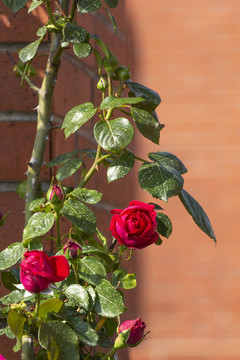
{"x":38,"y":298}
{"x":75,"y":269}
{"x":57,"y":216}
{"x":100,"y":324}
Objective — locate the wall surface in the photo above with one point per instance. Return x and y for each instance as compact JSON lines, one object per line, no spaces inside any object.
{"x":189,"y":289}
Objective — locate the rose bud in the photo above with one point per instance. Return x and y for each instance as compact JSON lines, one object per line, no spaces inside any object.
{"x":56,"y":197}
{"x":72,"y":250}
{"x":135,"y":226}
{"x":38,"y":271}
{"x":130,"y":333}
{"x":2,"y":358}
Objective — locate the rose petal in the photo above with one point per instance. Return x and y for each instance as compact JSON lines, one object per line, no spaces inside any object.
{"x":60,"y":267}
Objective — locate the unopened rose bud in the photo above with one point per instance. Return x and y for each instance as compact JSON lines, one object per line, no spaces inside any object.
{"x":56,"y":197}
{"x":136,"y":333}
{"x":72,"y":250}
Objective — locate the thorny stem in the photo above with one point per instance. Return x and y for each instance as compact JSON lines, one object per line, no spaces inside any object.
{"x":27,"y":348}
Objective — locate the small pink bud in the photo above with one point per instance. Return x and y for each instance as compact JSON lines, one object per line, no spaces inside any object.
{"x":57,"y":190}
{"x":136,"y":327}
{"x":73,"y":248}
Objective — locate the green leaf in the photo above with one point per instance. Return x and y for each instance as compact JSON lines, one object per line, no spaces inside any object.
{"x":42,"y":31}
{"x":38,"y":224}
{"x":13,"y":298}
{"x":61,"y":159}
{"x":86,"y":334}
{"x":198,"y":214}
{"x":110,"y":326}
{"x":109,"y":301}
{"x":21,"y":189}
{"x":98,"y":60}
{"x":113,"y":102}
{"x":60,"y":341}
{"x":35,"y":244}
{"x":36,"y":203}
{"x":152,"y":98}
{"x":29,"y":51}
{"x":86,"y":6}
{"x":112,"y":3}
{"x":80,"y":215}
{"x":100,"y":43}
{"x":120,"y":166}
{"x":68,"y":169}
{"x":91,"y":270}
{"x":16,"y":322}
{"x":148,"y":126}
{"x":159,"y":181}
{"x":15,"y":5}
{"x":115,"y":134}
{"x":73,"y":33}
{"x":168,"y":160}
{"x":11,"y":255}
{"x":49,"y":306}
{"x":86,"y":195}
{"x":34,"y":4}
{"x":164,"y":225}
{"x":78,"y":116}
{"x":78,"y":295}
{"x":121,"y":278}
{"x":82,"y":50}
{"x":101,"y":254}
{"x":9,"y":279}
{"x":7,"y":331}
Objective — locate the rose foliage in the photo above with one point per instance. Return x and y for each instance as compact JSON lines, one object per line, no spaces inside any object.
{"x":79,"y":316}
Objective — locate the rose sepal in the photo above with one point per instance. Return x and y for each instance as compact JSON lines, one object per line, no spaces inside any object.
{"x":121,"y":340}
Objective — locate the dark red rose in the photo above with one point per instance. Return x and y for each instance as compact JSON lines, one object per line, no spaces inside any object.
{"x":37,"y":270}
{"x":135,"y":226}
{"x":73,"y":249}
{"x":137,"y":327}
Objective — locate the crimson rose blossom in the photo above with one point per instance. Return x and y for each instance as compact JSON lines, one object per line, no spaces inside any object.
{"x":37,"y":270}
{"x":137,"y":327}
{"x":135,"y":226}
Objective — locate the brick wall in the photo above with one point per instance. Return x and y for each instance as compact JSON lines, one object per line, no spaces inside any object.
{"x":189,"y":290}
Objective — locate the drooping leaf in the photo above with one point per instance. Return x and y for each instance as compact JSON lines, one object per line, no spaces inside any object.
{"x":168,"y":160}
{"x":29,"y":51}
{"x":161,"y":182}
{"x":100,"y":43}
{"x":78,"y":116}
{"x":198,"y":214}
{"x":109,"y":301}
{"x":114,"y":135}
{"x":113,"y":21}
{"x":152,"y":98}
{"x":34,"y":4}
{"x":68,"y":169}
{"x":120,"y":166}
{"x":121,"y":278}
{"x":38,"y":224}
{"x":112,"y":3}
{"x":85,"y":332}
{"x":86,"y":195}
{"x":60,"y":341}
{"x":11,"y":255}
{"x":86,"y":6}
{"x":15,"y":5}
{"x":73,"y":33}
{"x":16,"y":322}
{"x":49,"y":306}
{"x":91,"y":270}
{"x":80,"y":215}
{"x":82,"y":50}
{"x":78,"y":295}
{"x":148,"y":126}
{"x":164,"y":225}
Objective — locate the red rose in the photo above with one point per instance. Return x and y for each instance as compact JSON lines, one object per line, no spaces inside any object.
{"x":137,"y":327}
{"x":135,"y":226}
{"x":37,"y":270}
{"x":57,"y":192}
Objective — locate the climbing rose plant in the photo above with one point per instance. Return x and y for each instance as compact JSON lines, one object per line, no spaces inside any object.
{"x":68,"y":304}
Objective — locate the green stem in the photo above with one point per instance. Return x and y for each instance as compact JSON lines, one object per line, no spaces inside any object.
{"x":49,"y":10}
{"x":43,"y":122}
{"x":57,"y":217}
{"x":100,"y":324}
{"x":27,"y":348}
{"x":110,"y":353}
{"x":38,"y":298}
{"x":73,"y":10}
{"x":75,"y":270}
{"x":93,"y":168}
{"x":110,"y":90}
